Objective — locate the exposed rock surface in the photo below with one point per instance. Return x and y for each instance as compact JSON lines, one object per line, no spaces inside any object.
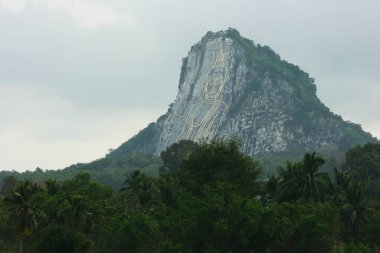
{"x":231,"y":87}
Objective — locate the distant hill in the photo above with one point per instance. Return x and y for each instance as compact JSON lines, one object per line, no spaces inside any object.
{"x":109,"y":171}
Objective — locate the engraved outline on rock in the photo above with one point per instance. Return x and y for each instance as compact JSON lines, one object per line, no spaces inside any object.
{"x":189,"y":123}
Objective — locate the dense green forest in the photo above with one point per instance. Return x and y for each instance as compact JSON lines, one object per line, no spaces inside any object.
{"x":207,"y":197}
{"x":108,"y":170}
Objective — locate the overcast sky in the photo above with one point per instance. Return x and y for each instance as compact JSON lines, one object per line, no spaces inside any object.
{"x":78,"y":77}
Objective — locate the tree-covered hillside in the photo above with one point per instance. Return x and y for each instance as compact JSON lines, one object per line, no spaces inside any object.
{"x":110,"y":171}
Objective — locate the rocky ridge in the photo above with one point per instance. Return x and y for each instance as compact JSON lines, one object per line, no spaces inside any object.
{"x":229,"y":86}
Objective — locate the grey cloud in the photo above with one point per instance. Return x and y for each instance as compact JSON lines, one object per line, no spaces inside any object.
{"x":110,"y":69}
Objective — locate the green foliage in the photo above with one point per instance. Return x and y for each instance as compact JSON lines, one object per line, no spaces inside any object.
{"x":363,"y":162}
{"x":22,"y":213}
{"x":6,"y":238}
{"x":357,"y":248}
{"x":353,"y":135}
{"x":8,"y":185}
{"x":213,"y":202}
{"x":138,"y":190}
{"x":266,"y":60}
{"x":142,"y":139}
{"x":303,"y":179}
{"x":221,"y":161}
{"x":127,"y":232}
{"x":272,"y":161}
{"x":266,"y":64}
{"x":109,"y":171}
{"x":175,"y":154}
{"x":59,"y":239}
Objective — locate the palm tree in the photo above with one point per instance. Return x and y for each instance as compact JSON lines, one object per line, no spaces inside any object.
{"x":145,"y":193}
{"x":132,"y":182}
{"x":290,"y":182}
{"x":138,"y":188}
{"x":302,"y":179}
{"x":353,"y":212}
{"x":77,"y":211}
{"x":271,"y":187}
{"x":27,"y":188}
{"x":22,"y":214}
{"x":52,"y":186}
{"x":339,"y":187}
{"x":8,"y":185}
{"x":313,"y":181}
{"x":166,"y":190}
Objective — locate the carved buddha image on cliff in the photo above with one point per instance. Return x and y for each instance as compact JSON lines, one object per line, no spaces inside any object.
{"x":207,"y":115}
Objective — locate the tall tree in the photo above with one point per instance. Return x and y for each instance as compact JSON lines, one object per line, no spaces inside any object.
{"x":363,"y":162}
{"x":23,"y":215}
{"x":138,"y":189}
{"x":339,"y":187}
{"x":175,"y":154}
{"x":8,"y":185}
{"x":303,"y":179}
{"x":313,"y":181}
{"x":352,"y":213}
{"x":290,"y":183}
{"x":221,"y":160}
{"x":271,"y":187}
{"x":27,"y":188}
{"x":52,"y":186}
{"x":76,"y":211}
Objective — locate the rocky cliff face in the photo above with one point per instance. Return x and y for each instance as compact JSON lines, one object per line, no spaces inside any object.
{"x":231,"y":87}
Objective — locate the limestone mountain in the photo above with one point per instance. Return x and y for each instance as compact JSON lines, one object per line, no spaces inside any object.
{"x":230,"y":86}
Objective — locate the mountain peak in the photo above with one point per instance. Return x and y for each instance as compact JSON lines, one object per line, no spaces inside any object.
{"x":229,"y":33}
{"x":231,"y":87}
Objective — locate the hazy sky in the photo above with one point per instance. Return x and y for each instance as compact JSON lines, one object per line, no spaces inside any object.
{"x":78,"y":77}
